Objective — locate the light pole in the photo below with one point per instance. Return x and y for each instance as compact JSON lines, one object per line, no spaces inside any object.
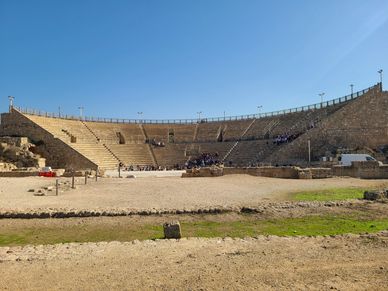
{"x":199,"y":115}
{"x":10,"y":98}
{"x":81,"y":111}
{"x":59,"y":111}
{"x":381,"y":77}
{"x":258,"y":110}
{"x":321,"y":95}
{"x":351,"y":89}
{"x":140,"y":113}
{"x":224,"y":114}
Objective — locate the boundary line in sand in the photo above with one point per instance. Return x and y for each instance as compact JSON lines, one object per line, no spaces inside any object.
{"x":68,"y":213}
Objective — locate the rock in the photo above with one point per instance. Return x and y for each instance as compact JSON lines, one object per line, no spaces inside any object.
{"x":172,"y":230}
{"x":131,"y":176}
{"x":31,"y":190}
{"x":375,"y":195}
{"x":39,"y":193}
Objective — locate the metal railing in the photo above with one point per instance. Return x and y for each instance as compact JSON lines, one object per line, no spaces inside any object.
{"x":203,"y":120}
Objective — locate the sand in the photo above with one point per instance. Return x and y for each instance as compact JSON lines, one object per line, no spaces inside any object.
{"x":163,"y":193}
{"x":347,"y":262}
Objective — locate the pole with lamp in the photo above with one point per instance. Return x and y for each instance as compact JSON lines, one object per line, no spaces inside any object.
{"x":140,"y":113}
{"x":381,"y":78}
{"x":11,"y":99}
{"x":258,"y":110}
{"x":199,"y":116}
{"x":81,"y":111}
{"x":321,"y":95}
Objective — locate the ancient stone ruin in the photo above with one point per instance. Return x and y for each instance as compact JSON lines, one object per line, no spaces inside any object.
{"x":18,"y":153}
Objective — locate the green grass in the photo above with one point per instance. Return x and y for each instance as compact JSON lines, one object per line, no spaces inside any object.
{"x":78,"y":233}
{"x":243,"y":227}
{"x":306,"y":226}
{"x":330,"y":194}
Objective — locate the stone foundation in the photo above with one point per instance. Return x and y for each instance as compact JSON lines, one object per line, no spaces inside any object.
{"x":271,"y":172}
{"x":363,"y":170}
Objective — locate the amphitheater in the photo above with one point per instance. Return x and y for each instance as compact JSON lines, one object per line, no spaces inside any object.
{"x":357,"y":121}
{"x":239,"y":231}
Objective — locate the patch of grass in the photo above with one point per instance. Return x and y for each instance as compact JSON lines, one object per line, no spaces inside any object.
{"x":12,"y":239}
{"x":329,"y":194}
{"x":78,"y":233}
{"x":310,"y":225}
{"x":243,"y":227}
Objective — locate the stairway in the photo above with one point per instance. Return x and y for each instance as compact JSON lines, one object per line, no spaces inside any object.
{"x":195,"y":132}
{"x":230,"y":151}
{"x":246,"y":130}
{"x":149,"y":147}
{"x":237,"y":142}
{"x":91,"y":131}
{"x":270,"y":127}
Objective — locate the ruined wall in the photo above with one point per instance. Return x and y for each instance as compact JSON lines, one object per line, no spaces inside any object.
{"x":57,"y":153}
{"x":363,"y":170}
{"x":271,"y":172}
{"x":361,"y":123}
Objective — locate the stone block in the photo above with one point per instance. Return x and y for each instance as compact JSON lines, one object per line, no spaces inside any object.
{"x":375,"y":195}
{"x":305,"y":174}
{"x":172,"y":230}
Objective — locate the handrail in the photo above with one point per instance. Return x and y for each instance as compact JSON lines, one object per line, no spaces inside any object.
{"x":203,"y":120}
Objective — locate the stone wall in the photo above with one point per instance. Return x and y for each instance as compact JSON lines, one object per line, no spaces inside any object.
{"x":57,"y":153}
{"x":361,"y":123}
{"x":363,"y":170}
{"x":18,"y":174}
{"x":272,"y":172}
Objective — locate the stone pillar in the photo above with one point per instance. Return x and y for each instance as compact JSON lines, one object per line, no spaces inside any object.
{"x":172,"y":230}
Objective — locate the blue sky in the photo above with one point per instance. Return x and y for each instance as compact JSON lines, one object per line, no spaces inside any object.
{"x":172,"y":58}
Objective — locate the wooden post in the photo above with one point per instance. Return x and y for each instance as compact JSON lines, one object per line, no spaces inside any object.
{"x":96,"y":174}
{"x":86,"y":177}
{"x":72,"y":181}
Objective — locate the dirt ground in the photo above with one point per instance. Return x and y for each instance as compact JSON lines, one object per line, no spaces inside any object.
{"x":162,"y":193}
{"x":347,"y":262}
{"x":364,"y":209}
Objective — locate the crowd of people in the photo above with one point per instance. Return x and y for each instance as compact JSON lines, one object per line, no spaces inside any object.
{"x":205,"y":159}
{"x":284,"y":138}
{"x":150,"y":168}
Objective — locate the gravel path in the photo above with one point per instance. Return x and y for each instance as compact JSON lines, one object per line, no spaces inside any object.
{"x":348,"y":262}
{"x":161,"y":193}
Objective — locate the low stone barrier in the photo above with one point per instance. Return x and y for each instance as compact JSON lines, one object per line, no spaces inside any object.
{"x":12,"y":174}
{"x":271,"y":207}
{"x":271,"y":172}
{"x":363,"y":170}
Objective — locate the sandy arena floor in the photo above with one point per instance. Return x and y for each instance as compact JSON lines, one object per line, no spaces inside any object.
{"x":163,"y":193}
{"x":347,"y":262}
